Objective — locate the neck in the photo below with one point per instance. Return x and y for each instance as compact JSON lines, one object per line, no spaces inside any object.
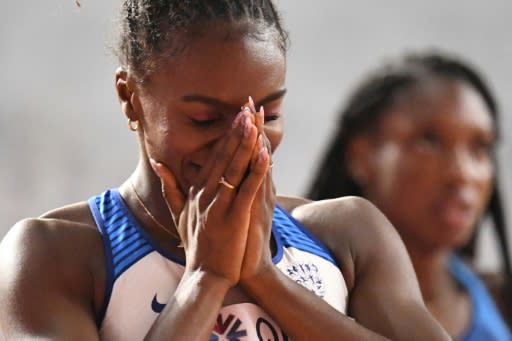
{"x":143,"y":191}
{"x":433,"y":274}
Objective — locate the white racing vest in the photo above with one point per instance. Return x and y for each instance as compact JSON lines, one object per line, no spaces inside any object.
{"x":142,"y":277}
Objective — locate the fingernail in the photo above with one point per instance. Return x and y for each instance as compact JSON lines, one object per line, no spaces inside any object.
{"x":262,"y":155}
{"x":251,"y":103}
{"x":155,"y":166}
{"x":262,"y":111}
{"x":237,"y":119}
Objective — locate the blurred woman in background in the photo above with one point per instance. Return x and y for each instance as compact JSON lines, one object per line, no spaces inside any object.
{"x":418,"y":138}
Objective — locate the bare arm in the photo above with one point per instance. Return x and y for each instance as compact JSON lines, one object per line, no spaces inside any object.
{"x":44,"y":293}
{"x":191,"y":312}
{"x":302,"y":314}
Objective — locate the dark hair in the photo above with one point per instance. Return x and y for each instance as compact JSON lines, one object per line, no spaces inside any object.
{"x":151,"y":28}
{"x":367,"y":105}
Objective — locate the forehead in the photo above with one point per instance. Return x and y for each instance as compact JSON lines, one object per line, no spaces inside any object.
{"x":442,"y":102}
{"x":224,"y":65}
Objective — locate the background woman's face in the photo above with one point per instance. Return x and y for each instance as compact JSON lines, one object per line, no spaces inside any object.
{"x":431,"y":169}
{"x":190,"y":102}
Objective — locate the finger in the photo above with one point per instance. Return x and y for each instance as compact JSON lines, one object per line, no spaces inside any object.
{"x":213,"y":157}
{"x":236,"y":161}
{"x":171,"y":192}
{"x":222,"y":149}
{"x":251,"y":105}
{"x":268,"y":145}
{"x":260,"y":119}
{"x":266,"y":193}
{"x":264,"y":203}
{"x":245,"y":109}
{"x":271,"y":188}
{"x":259,"y":198}
{"x":259,"y":116}
{"x":262,"y":208}
{"x":250,"y":185}
{"x":222,"y":155}
{"x":239,"y":166}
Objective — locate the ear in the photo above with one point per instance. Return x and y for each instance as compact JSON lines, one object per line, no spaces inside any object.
{"x":127,"y":93}
{"x":359,"y":158}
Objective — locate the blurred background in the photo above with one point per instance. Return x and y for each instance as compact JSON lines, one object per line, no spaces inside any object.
{"x":63,"y":137}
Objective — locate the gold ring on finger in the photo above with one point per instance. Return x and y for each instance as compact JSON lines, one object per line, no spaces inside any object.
{"x":224,"y":182}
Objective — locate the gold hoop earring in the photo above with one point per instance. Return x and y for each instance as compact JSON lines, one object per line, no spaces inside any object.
{"x":133,"y":125}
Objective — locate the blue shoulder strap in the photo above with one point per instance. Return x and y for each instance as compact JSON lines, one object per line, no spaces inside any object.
{"x":486,"y":322}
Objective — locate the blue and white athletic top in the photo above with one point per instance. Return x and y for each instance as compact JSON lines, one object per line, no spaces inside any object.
{"x":142,"y":277}
{"x":486,"y":322}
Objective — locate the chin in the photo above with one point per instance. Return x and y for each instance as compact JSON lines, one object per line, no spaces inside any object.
{"x":442,"y":237}
{"x":455,"y":237}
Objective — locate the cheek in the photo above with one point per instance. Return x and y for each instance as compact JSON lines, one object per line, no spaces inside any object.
{"x":274,"y":133}
{"x":158,"y":133}
{"x":387,"y":162}
{"x":483,"y":179}
{"x":481,"y":172}
{"x":169,"y":145}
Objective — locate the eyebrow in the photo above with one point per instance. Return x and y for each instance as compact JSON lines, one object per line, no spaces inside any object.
{"x":218,"y":103}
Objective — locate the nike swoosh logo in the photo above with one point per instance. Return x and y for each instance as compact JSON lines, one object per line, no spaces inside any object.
{"x":157,"y":306}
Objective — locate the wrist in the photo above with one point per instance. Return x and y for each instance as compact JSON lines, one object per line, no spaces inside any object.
{"x":202,"y":283}
{"x":260,"y":280}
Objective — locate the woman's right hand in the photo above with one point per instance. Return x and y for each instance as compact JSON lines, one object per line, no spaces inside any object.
{"x":213,"y":219}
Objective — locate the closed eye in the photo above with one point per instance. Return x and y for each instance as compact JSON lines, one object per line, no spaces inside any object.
{"x":204,"y":123}
{"x":271,"y":117}
{"x":202,"y":118}
{"x":430,"y":139}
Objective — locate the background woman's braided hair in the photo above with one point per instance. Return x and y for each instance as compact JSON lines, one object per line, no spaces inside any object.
{"x":153,"y":29}
{"x":363,"y":112}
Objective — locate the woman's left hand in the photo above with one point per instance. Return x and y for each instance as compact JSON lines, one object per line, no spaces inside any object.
{"x":258,"y":257}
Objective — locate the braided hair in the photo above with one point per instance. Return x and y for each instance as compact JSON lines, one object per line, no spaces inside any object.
{"x":153,"y":29}
{"x":366,"y":106}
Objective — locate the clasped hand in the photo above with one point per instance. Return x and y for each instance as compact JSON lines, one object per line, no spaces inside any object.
{"x":225,"y":226}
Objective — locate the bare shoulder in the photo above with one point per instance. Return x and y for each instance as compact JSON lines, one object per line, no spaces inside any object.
{"x":342,"y":216}
{"x":63,"y":256}
{"x":289,"y":203}
{"x":64,"y":237}
{"x":73,"y":213}
{"x":54,"y":230}
{"x":352,"y":228}
{"x":67,"y":230}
